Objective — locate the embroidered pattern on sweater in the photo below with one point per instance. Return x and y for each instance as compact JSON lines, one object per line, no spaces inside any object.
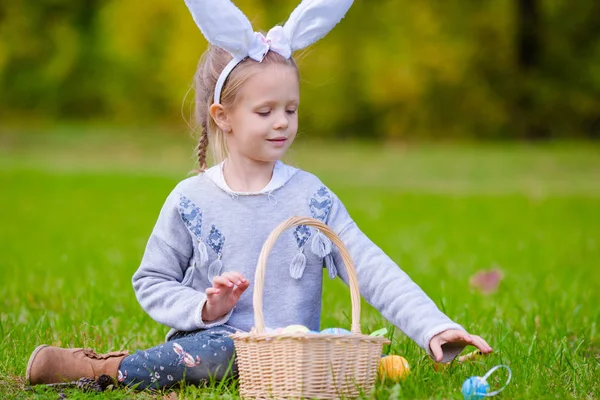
{"x":216,"y":240}
{"x":319,"y":205}
{"x":191,"y":216}
{"x":301,"y":233}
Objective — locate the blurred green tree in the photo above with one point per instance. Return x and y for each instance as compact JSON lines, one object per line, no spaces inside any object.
{"x":394,"y":69}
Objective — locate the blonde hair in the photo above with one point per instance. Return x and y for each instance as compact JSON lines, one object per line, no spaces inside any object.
{"x":212,"y":62}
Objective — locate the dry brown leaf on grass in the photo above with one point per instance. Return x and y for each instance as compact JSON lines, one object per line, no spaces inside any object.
{"x":486,"y":281}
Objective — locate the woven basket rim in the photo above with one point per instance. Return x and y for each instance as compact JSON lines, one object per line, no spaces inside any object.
{"x":250,"y":336}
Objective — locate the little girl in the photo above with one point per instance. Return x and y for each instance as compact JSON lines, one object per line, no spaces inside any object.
{"x":194,"y":273}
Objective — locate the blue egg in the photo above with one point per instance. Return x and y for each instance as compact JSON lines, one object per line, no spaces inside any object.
{"x":335,"y":331}
{"x":475,"y":388}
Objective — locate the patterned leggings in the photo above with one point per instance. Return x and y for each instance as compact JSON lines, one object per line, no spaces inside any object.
{"x":193,"y":357}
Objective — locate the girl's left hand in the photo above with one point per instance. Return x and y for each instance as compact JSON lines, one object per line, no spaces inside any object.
{"x":457,"y":337}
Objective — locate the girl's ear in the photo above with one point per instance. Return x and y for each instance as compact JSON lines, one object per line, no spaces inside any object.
{"x":219,"y":115}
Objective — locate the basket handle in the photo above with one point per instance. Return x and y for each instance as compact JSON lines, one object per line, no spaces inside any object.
{"x":259,"y":278}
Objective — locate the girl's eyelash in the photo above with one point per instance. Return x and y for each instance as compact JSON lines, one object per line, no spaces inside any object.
{"x":267,"y":113}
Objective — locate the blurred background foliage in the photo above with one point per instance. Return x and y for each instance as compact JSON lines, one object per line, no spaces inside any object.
{"x":394,"y":69}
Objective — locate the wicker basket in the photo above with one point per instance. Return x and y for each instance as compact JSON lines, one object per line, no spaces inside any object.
{"x":299,"y":365}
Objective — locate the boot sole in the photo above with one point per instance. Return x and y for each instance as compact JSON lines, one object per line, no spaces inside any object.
{"x":30,"y":362}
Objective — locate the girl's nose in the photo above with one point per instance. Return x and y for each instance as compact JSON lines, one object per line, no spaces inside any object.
{"x":282,"y":121}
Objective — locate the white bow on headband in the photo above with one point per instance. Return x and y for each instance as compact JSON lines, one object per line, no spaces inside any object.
{"x":225,"y":26}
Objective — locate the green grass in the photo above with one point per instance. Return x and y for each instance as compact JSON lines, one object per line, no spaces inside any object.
{"x":78,"y":206}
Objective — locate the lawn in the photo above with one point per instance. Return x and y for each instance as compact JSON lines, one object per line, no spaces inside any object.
{"x":78,"y":205}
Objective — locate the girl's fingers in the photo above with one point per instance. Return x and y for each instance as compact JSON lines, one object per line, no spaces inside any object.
{"x":474,"y":340}
{"x":229,"y":280}
{"x":222,"y":280}
{"x":212,"y":291}
{"x":451,"y":336}
{"x":464,"y":336}
{"x":436,"y":349}
{"x":481,"y":344}
{"x":235,"y":277}
{"x":245,"y":283}
{"x":458,"y":337}
{"x":238,"y":290}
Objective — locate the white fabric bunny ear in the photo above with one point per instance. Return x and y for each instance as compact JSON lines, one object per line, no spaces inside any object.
{"x":225,"y":26}
{"x":312,"y":20}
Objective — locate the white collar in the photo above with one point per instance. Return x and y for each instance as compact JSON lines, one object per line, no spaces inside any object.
{"x":281,"y":174}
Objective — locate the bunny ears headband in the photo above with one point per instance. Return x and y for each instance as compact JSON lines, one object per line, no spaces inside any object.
{"x":225,"y":26}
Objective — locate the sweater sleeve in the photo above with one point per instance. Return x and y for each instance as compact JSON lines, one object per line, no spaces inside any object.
{"x":158,"y":281}
{"x":389,"y":289}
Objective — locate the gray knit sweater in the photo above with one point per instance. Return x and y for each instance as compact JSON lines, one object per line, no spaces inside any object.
{"x":204,"y":229}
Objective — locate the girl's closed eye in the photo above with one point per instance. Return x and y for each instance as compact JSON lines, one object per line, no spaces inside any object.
{"x":291,"y":111}
{"x":264,"y":113}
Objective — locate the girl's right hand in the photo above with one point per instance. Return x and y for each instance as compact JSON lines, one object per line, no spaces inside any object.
{"x":223,"y":295}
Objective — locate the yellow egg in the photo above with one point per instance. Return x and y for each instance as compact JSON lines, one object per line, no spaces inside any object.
{"x":393,"y":367}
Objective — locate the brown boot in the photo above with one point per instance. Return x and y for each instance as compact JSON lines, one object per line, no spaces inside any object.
{"x":49,"y":364}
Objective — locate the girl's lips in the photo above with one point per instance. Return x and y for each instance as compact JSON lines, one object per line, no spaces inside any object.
{"x":278,"y":141}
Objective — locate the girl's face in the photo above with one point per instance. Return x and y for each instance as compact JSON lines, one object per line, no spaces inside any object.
{"x":264,"y":120}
